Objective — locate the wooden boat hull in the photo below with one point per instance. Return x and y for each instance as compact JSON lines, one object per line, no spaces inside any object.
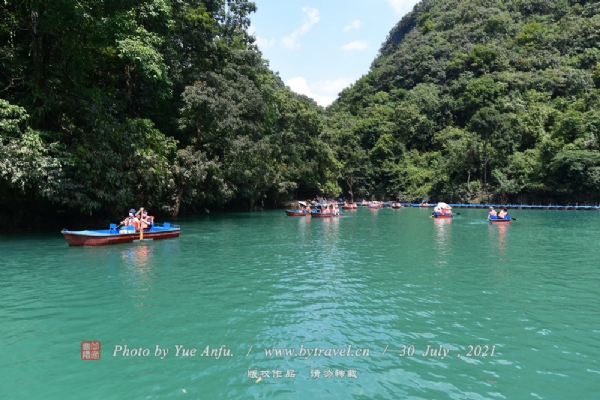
{"x":442,"y":216}
{"x":348,"y":207}
{"x":106,"y":237}
{"x":291,"y":213}
{"x":500,"y":221}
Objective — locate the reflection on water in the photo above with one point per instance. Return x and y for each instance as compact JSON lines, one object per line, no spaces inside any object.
{"x":138,"y":262}
{"x":137,"y":255}
{"x":443,"y":230}
{"x":498,"y":234}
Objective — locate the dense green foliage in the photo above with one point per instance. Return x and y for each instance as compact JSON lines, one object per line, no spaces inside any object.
{"x":477,"y":100}
{"x":108,"y":105}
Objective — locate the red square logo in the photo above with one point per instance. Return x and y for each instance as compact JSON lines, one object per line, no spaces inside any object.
{"x":90,"y":351}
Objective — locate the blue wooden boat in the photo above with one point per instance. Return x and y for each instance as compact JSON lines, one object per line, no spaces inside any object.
{"x":103,"y":237}
{"x":500,"y":221}
{"x":441,"y":215}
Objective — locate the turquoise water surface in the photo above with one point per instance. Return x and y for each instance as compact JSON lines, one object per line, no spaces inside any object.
{"x":369,"y":291}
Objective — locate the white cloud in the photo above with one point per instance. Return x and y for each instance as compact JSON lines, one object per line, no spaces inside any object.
{"x":300,"y":86}
{"x":402,"y":6}
{"x":264,"y":43}
{"x":311,"y":17}
{"x":331,"y":86}
{"x":353,"y":25}
{"x":356,"y":45}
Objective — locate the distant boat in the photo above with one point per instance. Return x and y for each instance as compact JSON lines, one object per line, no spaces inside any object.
{"x":440,"y":215}
{"x":105,"y":237}
{"x":374,"y":206}
{"x":500,"y":221}
{"x":444,"y":211}
{"x":319,"y":212}
{"x":297,"y":213}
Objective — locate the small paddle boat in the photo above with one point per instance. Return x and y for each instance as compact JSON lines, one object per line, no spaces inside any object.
{"x":296,"y":213}
{"x":322,"y":211}
{"x":374,"y":205}
{"x":299,"y":212}
{"x":500,"y":221}
{"x":113,"y":235}
{"x":442,"y":210}
{"x":396,"y":205}
{"x":320,"y":214}
{"x":441,"y":215}
{"x":351,"y":206}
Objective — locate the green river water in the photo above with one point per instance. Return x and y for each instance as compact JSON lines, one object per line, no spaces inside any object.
{"x":369,"y":291}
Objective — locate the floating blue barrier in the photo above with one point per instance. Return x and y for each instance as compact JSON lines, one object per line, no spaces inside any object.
{"x":509,"y":206}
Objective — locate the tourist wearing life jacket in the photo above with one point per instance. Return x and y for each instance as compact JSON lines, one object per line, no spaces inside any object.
{"x":145,"y":220}
{"x":129,"y":220}
{"x":492,"y":214}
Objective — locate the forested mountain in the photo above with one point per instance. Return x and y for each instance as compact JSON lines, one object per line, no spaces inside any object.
{"x":113,"y":104}
{"x":168,"y":104}
{"x":475,"y":100}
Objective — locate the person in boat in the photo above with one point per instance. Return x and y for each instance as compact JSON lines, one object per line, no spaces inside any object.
{"x":129,"y":220}
{"x":503,"y":213}
{"x":149,"y":219}
{"x":336,"y":210}
{"x":145,"y":220}
{"x":492,"y":214}
{"x":142,"y":216}
{"x":437,"y":210}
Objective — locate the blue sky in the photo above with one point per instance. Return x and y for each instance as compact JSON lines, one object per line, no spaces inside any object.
{"x":320,"y":47}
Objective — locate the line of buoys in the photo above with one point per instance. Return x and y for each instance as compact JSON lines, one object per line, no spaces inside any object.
{"x":518,"y":206}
